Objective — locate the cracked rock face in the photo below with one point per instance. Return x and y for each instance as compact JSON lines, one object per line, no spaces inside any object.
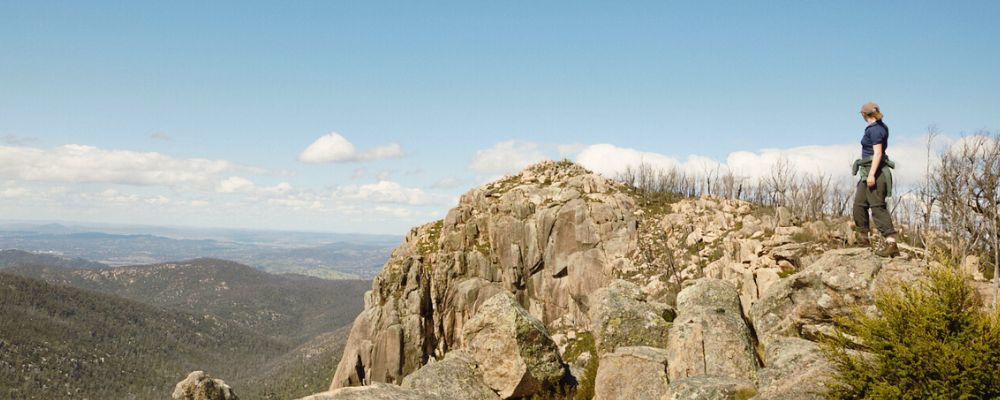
{"x":632,"y":373}
{"x":709,"y":336}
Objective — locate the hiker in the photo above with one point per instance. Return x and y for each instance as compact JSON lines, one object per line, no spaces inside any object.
{"x":875,"y":184}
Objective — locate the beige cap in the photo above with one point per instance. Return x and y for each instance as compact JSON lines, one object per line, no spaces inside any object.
{"x":869,"y":108}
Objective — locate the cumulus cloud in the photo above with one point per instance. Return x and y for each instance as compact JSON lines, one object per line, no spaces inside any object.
{"x":507,"y":157}
{"x":383,"y":192}
{"x":909,"y":154}
{"x":333,"y":147}
{"x":609,"y":160}
{"x":235,"y":184}
{"x":73,"y":163}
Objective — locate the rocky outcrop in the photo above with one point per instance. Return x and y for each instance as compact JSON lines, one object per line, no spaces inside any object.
{"x":805,"y":304}
{"x":802,"y":308}
{"x":697,"y":298}
{"x":551,"y":235}
{"x":620,"y":316}
{"x":454,"y":378}
{"x":199,"y":386}
{"x":637,"y":373}
{"x":517,"y":355}
{"x":710,"y":336}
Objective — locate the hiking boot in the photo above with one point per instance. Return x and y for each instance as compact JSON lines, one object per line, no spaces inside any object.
{"x":890,"y":250}
{"x":862,"y":240}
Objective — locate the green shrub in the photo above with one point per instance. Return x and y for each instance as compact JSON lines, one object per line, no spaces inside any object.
{"x":930,"y":340}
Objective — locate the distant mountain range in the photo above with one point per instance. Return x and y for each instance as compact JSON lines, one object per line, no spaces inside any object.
{"x":329,"y":256}
{"x":95,"y":331}
{"x":11,"y":258}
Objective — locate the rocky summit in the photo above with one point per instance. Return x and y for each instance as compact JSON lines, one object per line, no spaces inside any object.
{"x":557,"y":280}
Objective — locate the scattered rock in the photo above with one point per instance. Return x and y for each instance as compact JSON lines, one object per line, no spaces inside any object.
{"x":517,"y":356}
{"x":199,"y":386}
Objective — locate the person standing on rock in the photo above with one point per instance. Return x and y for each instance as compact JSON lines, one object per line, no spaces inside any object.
{"x":875,"y":183}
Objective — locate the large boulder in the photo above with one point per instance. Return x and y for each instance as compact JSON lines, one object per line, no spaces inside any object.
{"x":709,"y":336}
{"x":375,"y":391}
{"x":712,"y":388}
{"x":621,"y":317}
{"x":637,"y":373}
{"x":516,"y":354}
{"x":454,"y":378}
{"x":796,"y":369}
{"x":807,"y":303}
{"x":199,"y":386}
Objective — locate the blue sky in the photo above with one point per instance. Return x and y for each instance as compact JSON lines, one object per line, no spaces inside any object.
{"x":460,"y":92}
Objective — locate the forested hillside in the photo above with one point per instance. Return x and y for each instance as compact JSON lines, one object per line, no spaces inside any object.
{"x":291,"y":308}
{"x":63,"y":342}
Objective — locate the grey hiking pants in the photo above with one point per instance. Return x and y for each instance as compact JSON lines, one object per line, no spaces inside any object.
{"x":872,"y":199}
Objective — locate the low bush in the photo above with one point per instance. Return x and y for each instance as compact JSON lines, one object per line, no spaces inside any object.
{"x":929,"y":340}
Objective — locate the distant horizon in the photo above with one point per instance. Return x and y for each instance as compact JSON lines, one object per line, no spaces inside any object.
{"x":99,"y":225}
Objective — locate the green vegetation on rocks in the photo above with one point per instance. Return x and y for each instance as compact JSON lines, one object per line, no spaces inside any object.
{"x":929,"y":340}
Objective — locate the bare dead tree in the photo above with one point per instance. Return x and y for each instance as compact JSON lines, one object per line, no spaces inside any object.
{"x":967,"y":186}
{"x":927,"y":196}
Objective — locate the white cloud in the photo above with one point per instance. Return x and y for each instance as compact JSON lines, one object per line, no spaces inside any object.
{"x":909,"y":154}
{"x":13,"y":193}
{"x":609,"y":160}
{"x":160,"y":136}
{"x":283,"y":187}
{"x":235,"y":184}
{"x":158,"y":200}
{"x":507,"y":157}
{"x":395,"y":212}
{"x":73,"y":163}
{"x":383,"y":192}
{"x":333,"y":147}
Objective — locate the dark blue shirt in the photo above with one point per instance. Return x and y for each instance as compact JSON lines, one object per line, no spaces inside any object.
{"x":876,"y":133}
